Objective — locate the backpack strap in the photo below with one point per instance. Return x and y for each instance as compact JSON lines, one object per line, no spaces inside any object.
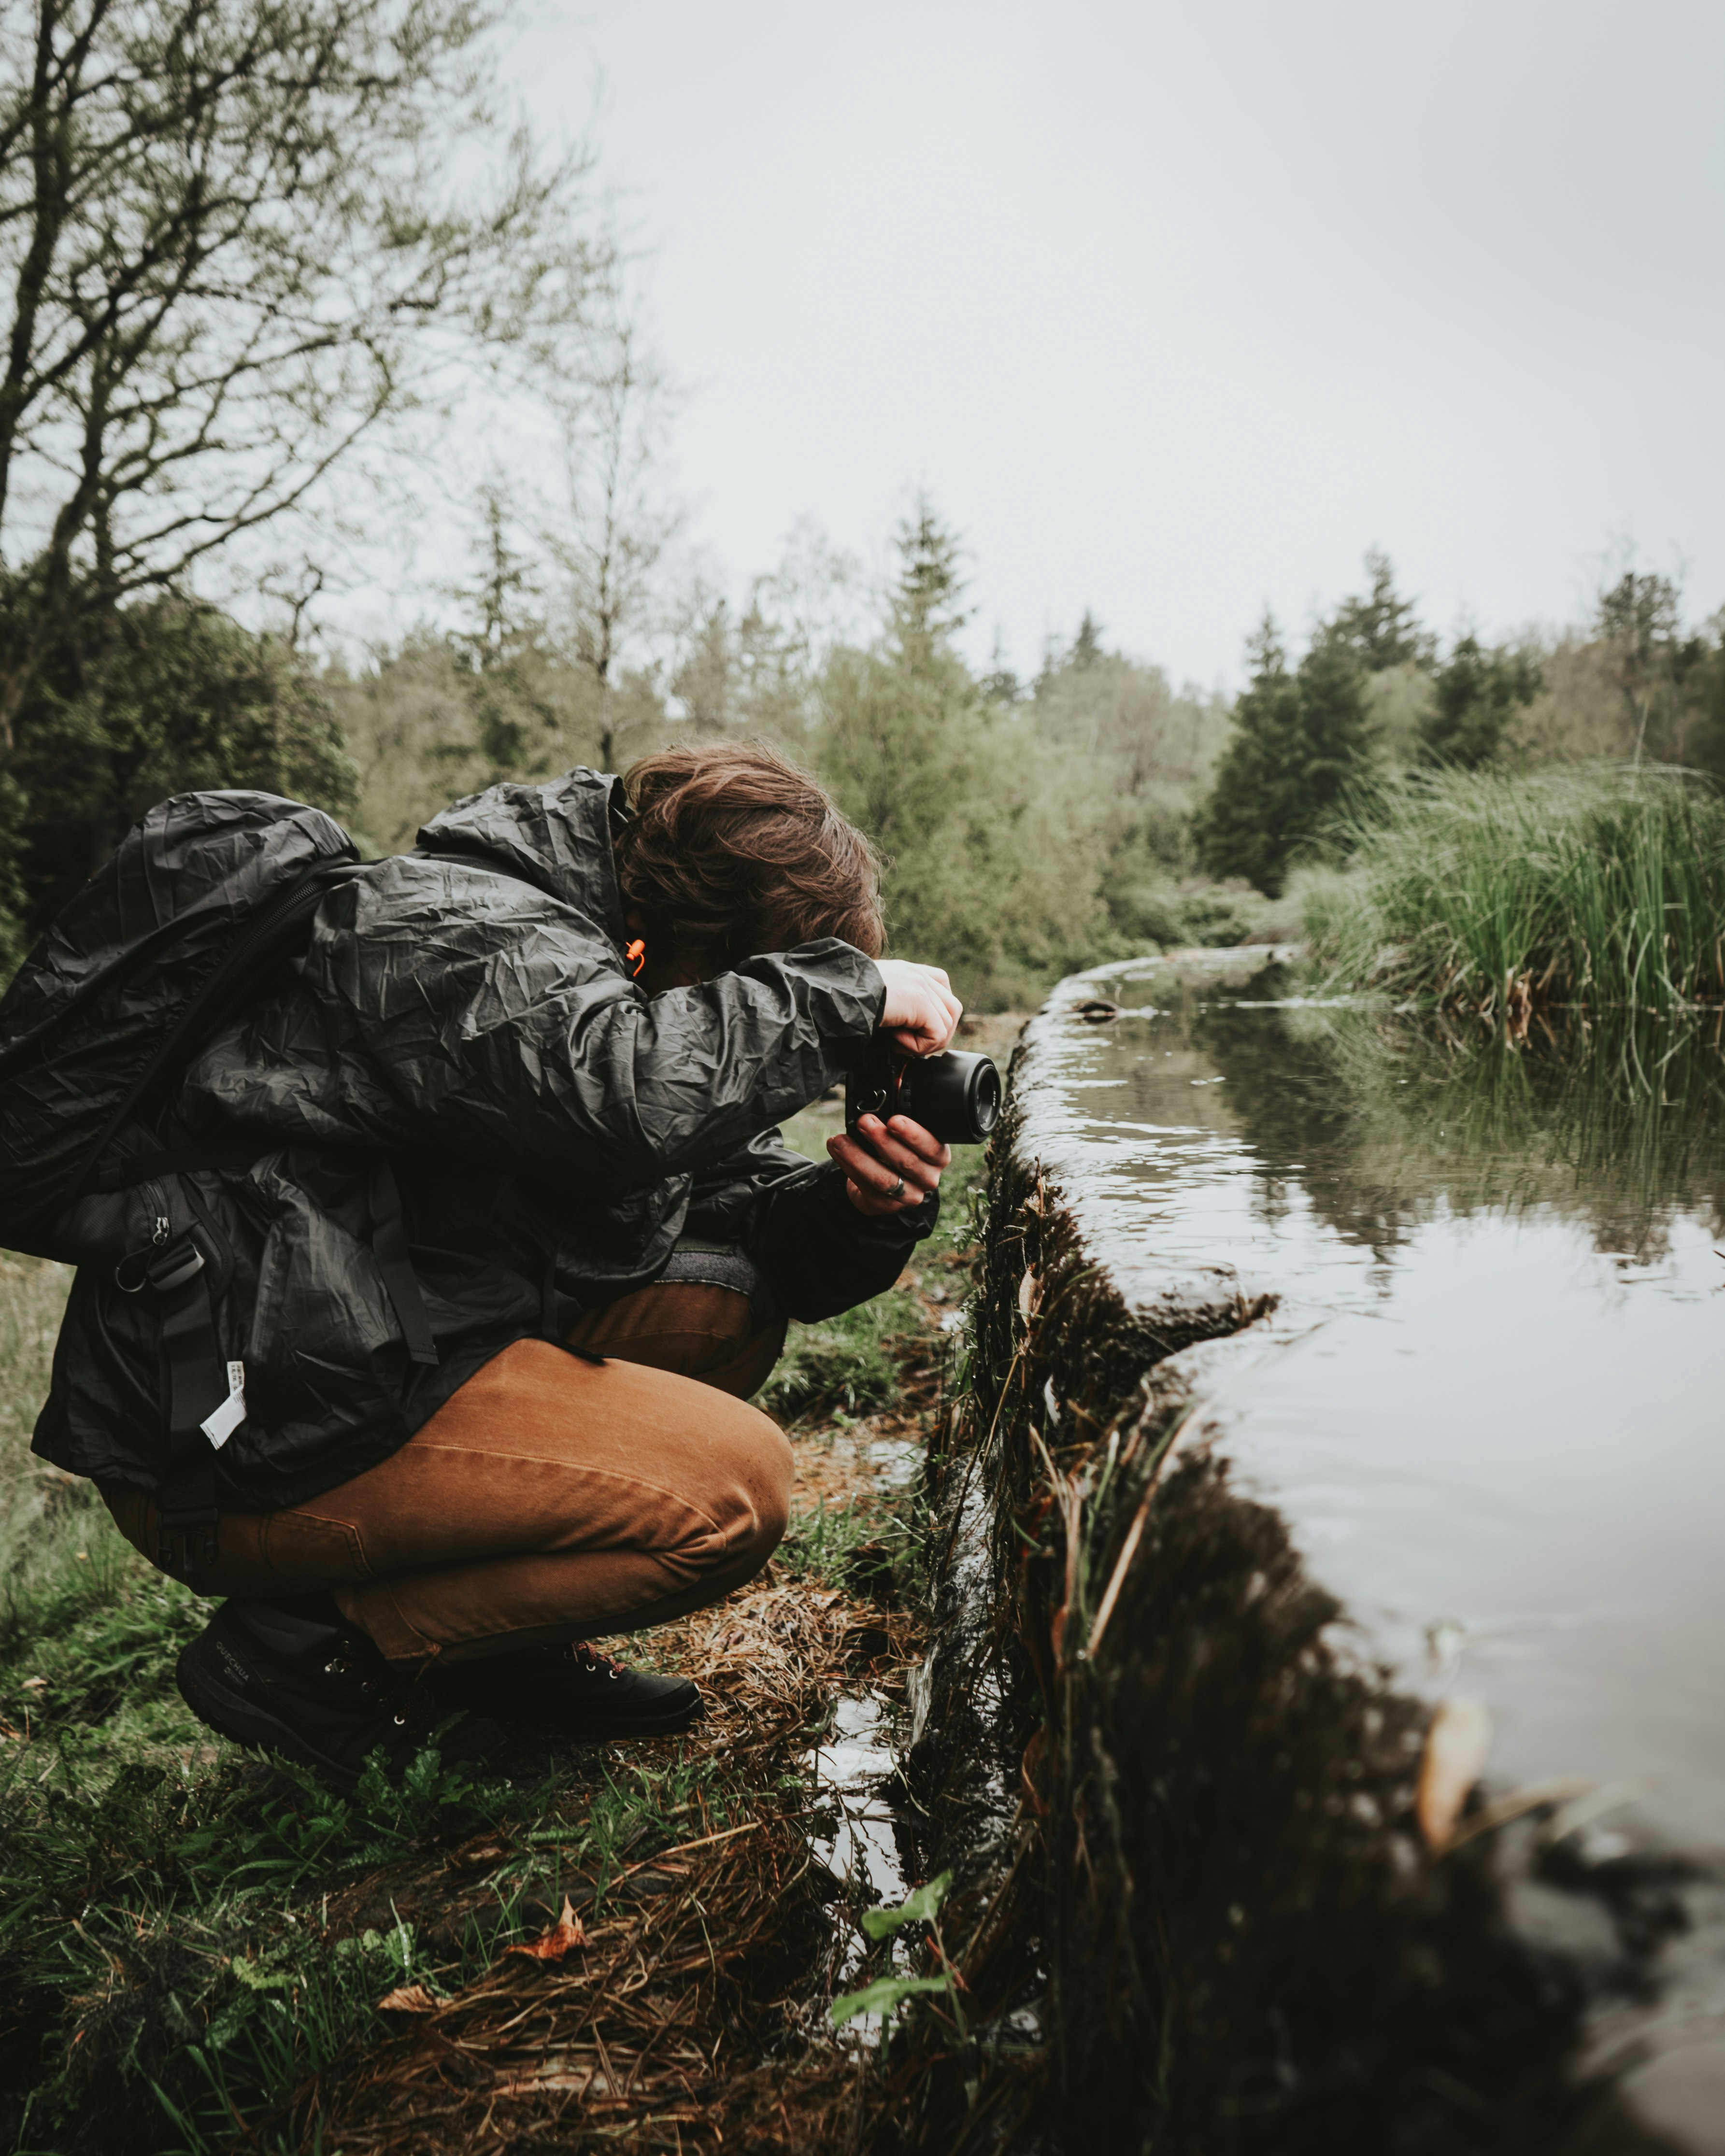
{"x":186,"y":1512}
{"x":389,"y":1247}
{"x":185,"y":1274}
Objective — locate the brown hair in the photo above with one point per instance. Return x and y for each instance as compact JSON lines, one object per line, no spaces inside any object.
{"x":732,"y":850}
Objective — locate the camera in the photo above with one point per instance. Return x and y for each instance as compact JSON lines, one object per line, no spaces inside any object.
{"x":956,"y":1097}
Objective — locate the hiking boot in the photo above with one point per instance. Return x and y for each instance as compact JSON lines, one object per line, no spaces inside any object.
{"x":584,"y":1693}
{"x":316,"y":1691}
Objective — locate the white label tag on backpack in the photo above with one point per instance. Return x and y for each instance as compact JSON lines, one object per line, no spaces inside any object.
{"x":220,"y":1426}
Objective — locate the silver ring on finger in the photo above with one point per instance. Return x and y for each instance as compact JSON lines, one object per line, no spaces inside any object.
{"x":897,"y":1189}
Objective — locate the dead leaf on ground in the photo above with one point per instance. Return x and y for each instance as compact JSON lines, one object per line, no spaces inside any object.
{"x":475,"y":1856}
{"x":406,"y":1999}
{"x":553,"y":1944}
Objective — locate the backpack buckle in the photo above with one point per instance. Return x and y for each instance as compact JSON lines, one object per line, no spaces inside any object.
{"x":163,"y":1267}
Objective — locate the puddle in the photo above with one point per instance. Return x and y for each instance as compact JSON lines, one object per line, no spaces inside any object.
{"x":851,"y":1762}
{"x":1493,"y":1414}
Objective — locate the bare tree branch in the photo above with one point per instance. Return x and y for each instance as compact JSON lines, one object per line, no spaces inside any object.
{"x":238,"y":236}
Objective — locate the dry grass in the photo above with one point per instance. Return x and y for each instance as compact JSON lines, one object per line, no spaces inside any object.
{"x":693,"y":1963}
{"x":692,"y":2015}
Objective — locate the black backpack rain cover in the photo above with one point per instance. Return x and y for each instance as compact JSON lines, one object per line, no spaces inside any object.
{"x":162,"y":943}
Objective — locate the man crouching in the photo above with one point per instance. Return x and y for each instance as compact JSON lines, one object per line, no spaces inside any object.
{"x":571,"y":1019}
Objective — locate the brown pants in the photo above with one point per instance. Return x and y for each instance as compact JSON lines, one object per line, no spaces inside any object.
{"x":549,"y":1499}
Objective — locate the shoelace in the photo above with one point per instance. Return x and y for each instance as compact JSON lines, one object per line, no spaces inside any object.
{"x":583,"y":1652}
{"x":405,"y":1698}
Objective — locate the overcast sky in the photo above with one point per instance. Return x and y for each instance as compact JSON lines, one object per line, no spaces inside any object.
{"x":1173,"y":311}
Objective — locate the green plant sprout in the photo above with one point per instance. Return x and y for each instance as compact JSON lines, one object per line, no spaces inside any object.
{"x":887,"y":1994}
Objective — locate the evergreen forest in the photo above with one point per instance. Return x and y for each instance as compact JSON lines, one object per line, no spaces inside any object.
{"x":274,"y":276}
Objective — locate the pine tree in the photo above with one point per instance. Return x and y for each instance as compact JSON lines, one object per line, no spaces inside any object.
{"x":1301,"y":739}
{"x":925,"y":611}
{"x":1474,"y":695}
{"x":1382,"y":629}
{"x":992,"y":868}
{"x":1087,"y":645}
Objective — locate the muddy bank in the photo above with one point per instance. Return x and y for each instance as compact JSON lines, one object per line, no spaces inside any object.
{"x":1325,"y":1705}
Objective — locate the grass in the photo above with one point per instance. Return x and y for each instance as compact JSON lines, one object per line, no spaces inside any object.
{"x":844,"y":1366}
{"x":1498,"y":896}
{"x":194,"y":1943}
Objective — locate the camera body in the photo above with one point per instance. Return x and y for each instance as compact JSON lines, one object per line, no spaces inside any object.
{"x":956,"y":1097}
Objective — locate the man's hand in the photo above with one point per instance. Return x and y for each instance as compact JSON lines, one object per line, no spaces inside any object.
{"x":921,"y":1013}
{"x":889,"y":1168}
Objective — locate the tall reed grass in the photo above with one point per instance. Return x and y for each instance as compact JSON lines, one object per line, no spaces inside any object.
{"x":1494,"y":894}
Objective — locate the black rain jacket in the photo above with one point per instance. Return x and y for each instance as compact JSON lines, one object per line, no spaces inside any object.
{"x":554,"y":1131}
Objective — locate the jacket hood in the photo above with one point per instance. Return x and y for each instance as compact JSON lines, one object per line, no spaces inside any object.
{"x":556,"y":836}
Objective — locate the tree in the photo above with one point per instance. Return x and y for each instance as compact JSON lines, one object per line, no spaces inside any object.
{"x":1636,"y":627}
{"x":926,"y":610}
{"x":740,"y":673}
{"x":992,"y":862}
{"x":1145,"y":754}
{"x":1087,"y":645}
{"x":897,"y":722}
{"x":1476,"y":694}
{"x":1383,"y":629}
{"x":178,"y":696}
{"x":515,"y":694}
{"x":618,"y":524}
{"x":1301,"y":740}
{"x":239,"y":235}
{"x":412,"y":731}
{"x":1704,"y":697}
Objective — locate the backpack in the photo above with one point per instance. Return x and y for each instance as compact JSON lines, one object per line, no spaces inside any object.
{"x":167,"y":942}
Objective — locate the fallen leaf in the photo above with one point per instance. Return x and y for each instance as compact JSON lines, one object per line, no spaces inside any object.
{"x":1456,"y":1747}
{"x":475,"y":1855}
{"x":406,"y":1999}
{"x":35,"y":1684}
{"x":553,"y":1945}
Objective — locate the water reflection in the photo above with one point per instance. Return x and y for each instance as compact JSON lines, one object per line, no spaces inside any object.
{"x":1493,"y":1416}
{"x":1618,"y":1124}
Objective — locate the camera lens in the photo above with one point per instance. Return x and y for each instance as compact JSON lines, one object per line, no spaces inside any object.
{"x":956,"y":1097}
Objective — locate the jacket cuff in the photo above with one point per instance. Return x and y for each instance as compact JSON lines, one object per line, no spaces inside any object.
{"x":884,"y":1231}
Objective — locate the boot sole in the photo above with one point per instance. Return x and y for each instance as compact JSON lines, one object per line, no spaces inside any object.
{"x":224,"y":1710}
